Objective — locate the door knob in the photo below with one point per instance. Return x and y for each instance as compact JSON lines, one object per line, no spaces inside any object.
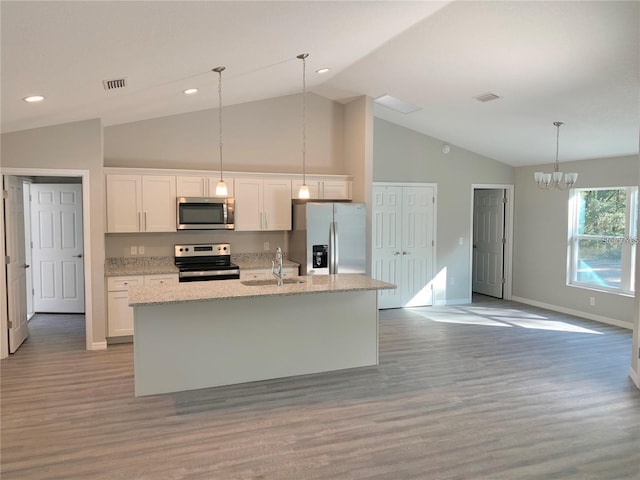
{"x":396,"y":253}
{"x":78,"y":256}
{"x":406,"y":253}
{"x":26,"y":266}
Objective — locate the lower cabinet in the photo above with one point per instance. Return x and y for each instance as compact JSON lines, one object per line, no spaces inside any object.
{"x":264,"y":274}
{"x":119,"y":313}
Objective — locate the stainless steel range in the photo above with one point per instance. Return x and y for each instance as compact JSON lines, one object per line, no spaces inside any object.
{"x":204,"y":262}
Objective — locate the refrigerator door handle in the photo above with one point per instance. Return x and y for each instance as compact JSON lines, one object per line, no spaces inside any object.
{"x":332,"y":242}
{"x":336,"y":254}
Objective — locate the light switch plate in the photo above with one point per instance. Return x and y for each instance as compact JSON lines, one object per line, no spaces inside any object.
{"x":134,"y":250}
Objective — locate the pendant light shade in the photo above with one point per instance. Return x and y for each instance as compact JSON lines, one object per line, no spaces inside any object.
{"x":221,"y":187}
{"x":303,"y":192}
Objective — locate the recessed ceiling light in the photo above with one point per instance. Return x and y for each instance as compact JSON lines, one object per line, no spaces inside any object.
{"x":33,"y":98}
{"x":322,"y":70}
{"x":190,"y":91}
{"x":396,"y":104}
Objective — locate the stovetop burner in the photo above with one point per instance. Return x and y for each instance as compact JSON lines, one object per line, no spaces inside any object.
{"x":201,"y":262}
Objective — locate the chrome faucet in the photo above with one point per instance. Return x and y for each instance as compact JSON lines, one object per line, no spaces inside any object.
{"x":277,"y":272}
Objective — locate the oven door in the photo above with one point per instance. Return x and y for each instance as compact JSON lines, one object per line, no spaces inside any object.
{"x":208,"y":275}
{"x":204,"y":213}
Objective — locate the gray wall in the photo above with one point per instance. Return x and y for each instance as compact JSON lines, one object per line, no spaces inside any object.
{"x":403,"y":155}
{"x":540,"y":238}
{"x":72,"y":146}
{"x":264,"y":136}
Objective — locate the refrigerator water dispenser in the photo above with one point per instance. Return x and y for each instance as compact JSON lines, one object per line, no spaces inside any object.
{"x":320,"y":256}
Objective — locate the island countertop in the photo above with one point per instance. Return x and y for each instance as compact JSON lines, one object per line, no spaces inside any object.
{"x":205,"y":291}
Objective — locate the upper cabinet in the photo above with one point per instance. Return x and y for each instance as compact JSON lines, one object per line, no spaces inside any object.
{"x":324,"y":189}
{"x":262,"y":204}
{"x":141,"y":203}
{"x":201,"y":186}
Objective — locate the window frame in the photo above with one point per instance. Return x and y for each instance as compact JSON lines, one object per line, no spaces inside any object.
{"x":628,"y":242}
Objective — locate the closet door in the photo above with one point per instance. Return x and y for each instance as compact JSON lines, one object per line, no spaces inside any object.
{"x":417,"y":246}
{"x":387,"y":243}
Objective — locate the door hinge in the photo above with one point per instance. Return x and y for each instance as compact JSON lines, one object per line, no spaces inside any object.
{"x":504,"y":240}
{"x":9,"y":324}
{"x":504,"y":199}
{"x":433,"y":200}
{"x":504,"y":280}
{"x":7,"y":260}
{"x":5,"y":194}
{"x":433,"y":243}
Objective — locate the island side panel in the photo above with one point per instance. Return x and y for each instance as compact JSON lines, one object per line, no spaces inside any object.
{"x":195,"y":345}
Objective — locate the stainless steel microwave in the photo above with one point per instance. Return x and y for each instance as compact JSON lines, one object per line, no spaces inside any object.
{"x":204,"y":213}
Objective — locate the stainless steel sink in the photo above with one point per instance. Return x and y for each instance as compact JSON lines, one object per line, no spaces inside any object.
{"x":270,"y":281}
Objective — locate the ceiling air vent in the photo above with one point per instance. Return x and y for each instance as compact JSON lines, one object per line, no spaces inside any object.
{"x":487,"y":97}
{"x":115,"y":83}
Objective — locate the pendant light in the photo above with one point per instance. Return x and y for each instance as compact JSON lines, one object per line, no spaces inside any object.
{"x":221,"y":187}
{"x":304,"y":189}
{"x":553,"y":181}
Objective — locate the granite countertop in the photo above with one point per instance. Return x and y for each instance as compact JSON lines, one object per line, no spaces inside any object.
{"x":207,"y":291}
{"x":159,"y":265}
{"x":139,"y":266}
{"x":258,"y":261}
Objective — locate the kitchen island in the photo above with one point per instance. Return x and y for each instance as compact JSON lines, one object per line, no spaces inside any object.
{"x":205,"y":334}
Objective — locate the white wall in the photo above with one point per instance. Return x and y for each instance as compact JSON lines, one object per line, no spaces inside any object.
{"x":403,"y":155}
{"x":264,"y":136}
{"x":71,"y":146}
{"x":540,"y":240}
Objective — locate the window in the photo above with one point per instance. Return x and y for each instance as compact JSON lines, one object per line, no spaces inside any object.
{"x":603,"y":235}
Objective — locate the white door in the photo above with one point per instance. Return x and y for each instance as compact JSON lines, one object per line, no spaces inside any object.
{"x":58,"y":264}
{"x":488,"y":241}
{"x":417,"y":246}
{"x":26,"y":189}
{"x":386,"y":245}
{"x":16,"y":268}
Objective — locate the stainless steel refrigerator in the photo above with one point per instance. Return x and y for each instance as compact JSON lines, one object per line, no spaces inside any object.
{"x":328,"y":237}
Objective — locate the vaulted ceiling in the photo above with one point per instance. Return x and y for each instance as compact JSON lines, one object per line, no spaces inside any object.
{"x":575,"y":62}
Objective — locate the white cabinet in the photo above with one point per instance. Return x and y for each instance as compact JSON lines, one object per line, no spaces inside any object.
{"x":336,"y":190}
{"x":264,"y":274}
{"x":262,"y":204}
{"x":324,"y":189}
{"x":141,"y":203}
{"x":403,"y":244}
{"x":119,"y":313}
{"x":202,"y":186}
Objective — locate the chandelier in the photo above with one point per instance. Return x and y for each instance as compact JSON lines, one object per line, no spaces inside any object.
{"x":554,"y":180}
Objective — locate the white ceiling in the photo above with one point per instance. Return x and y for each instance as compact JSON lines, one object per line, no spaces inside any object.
{"x":574,"y":61}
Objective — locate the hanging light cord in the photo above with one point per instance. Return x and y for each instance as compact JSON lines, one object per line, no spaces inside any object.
{"x":219,"y":70}
{"x":303,"y":57}
{"x":557,"y":165}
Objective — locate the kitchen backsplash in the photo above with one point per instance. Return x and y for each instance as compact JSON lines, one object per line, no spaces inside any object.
{"x":118,"y":245}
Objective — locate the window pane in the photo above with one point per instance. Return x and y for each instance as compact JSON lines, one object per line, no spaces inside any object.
{"x":602,"y":212}
{"x":599,"y":263}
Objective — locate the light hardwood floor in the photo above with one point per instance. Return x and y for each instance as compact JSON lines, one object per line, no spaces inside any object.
{"x":493,"y":390}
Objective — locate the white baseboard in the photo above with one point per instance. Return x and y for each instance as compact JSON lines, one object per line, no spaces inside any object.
{"x":99,"y":345}
{"x":577,"y":313}
{"x":635,"y":377}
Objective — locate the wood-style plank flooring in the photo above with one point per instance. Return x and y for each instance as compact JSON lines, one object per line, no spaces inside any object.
{"x":492,"y":390}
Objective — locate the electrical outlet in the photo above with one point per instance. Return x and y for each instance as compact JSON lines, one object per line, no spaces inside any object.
{"x":592,"y":301}
{"x":140,"y":249}
{"x":266,"y":246}
{"x":134,"y":250}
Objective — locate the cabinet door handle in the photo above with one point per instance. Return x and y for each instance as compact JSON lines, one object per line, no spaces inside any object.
{"x":139,"y":226}
{"x":145,"y":221}
{"x":266,"y":223}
